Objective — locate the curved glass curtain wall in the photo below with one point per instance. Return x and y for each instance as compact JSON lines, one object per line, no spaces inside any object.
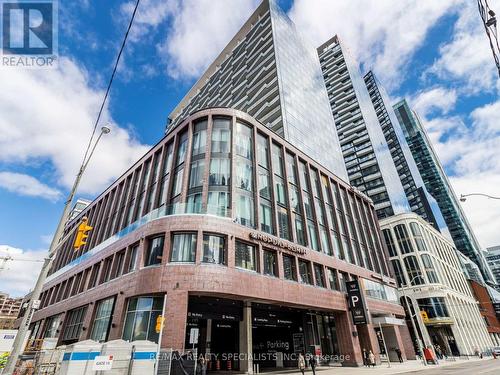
{"x":224,"y":166}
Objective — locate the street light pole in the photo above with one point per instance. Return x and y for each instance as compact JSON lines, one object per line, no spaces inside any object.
{"x":34,"y":302}
{"x":463,"y":197}
{"x":419,"y":342}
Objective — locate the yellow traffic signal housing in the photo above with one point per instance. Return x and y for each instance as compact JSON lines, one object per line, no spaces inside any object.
{"x":82,"y":234}
{"x":159,"y":322}
{"x":424,"y":316}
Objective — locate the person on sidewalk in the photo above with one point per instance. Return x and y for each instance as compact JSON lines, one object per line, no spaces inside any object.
{"x":400,"y":356}
{"x":312,"y":363}
{"x":302,"y":363}
{"x":366,"y":360}
{"x":371,"y":358}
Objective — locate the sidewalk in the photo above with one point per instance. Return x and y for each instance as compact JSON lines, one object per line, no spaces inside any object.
{"x":383,"y":369}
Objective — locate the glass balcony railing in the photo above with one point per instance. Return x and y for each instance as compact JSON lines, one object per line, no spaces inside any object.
{"x":169,"y":210}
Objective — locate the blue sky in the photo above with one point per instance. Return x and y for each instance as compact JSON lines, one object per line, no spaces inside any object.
{"x":434,"y":53}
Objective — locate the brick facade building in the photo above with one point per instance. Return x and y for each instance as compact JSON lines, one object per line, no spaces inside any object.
{"x":226,"y":227}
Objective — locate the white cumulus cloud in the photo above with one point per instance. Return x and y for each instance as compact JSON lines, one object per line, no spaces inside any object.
{"x":47,"y":117}
{"x":19,"y":275}
{"x":24,"y":184}
{"x":382,"y":34}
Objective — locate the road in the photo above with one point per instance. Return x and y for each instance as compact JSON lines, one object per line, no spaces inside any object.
{"x":485,"y":367}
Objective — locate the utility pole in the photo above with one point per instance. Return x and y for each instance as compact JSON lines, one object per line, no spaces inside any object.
{"x":34,"y":302}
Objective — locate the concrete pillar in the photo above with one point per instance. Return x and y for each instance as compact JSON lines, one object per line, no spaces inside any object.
{"x":348,"y":340}
{"x":174,"y":330}
{"x":246,"y":362}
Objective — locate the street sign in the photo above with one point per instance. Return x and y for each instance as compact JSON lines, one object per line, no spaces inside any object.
{"x":193,"y":336}
{"x":36,"y":303}
{"x":356,"y":302}
{"x":103,"y":363}
{"x":424,"y":316}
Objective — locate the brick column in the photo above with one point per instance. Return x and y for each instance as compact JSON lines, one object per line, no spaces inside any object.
{"x":368,"y":340}
{"x":119,"y":315}
{"x":174,"y":330}
{"x":349,"y":345}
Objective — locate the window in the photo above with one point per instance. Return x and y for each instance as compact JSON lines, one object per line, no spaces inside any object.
{"x":199,"y":137}
{"x":403,"y":238}
{"x":243,"y":176}
{"x":305,"y":272}
{"x":94,"y":275}
{"x":102,"y":320}
{"x":52,"y":326}
{"x":283,"y":224}
{"x":244,"y":210}
{"x":332,"y":279}
{"x":106,"y":272}
{"x":177,"y":183}
{"x":181,"y":151}
{"x":413,"y":269}
{"x":74,"y":323}
{"x":193,"y":205}
{"x":435,"y":307}
{"x":132,"y":261}
{"x":140,"y":321}
{"x":154,"y":251}
{"x":429,"y":268}
{"x":299,"y":230}
{"x":319,"y":275}
{"x":398,"y":272}
{"x":118,"y":267}
{"x":289,"y":268}
{"x":218,"y":203}
{"x":243,"y":141}
{"x":246,"y":256}
{"x":389,"y":242}
{"x":270,"y":265}
{"x":266,"y":221}
{"x":221,"y":135}
{"x":262,"y":151}
{"x":220,"y":172}
{"x":213,"y":249}
{"x":183,"y":248}
{"x":417,"y":236}
{"x":196,"y":175}
{"x":343,"y":277}
{"x":311,"y":230}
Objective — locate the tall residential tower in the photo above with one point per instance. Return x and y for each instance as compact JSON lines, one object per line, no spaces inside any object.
{"x":421,"y":202}
{"x":270,"y":72}
{"x":366,"y":154}
{"x":438,"y":185}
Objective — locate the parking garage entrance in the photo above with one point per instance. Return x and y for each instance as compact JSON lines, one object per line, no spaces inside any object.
{"x":218,"y":323}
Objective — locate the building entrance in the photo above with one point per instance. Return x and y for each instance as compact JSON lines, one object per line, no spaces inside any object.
{"x":218,"y":323}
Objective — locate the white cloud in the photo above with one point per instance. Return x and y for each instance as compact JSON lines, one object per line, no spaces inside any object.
{"x":19,"y":276}
{"x":24,"y":184}
{"x":200,"y":30}
{"x":434,"y":99}
{"x":467,"y":56}
{"x":48,"y":115}
{"x":470,"y":153}
{"x":382,"y":34}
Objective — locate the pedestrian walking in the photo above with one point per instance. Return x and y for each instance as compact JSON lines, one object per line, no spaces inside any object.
{"x":203,"y":365}
{"x":302,"y":363}
{"x":366,"y":360}
{"x":400,"y":356}
{"x":312,"y":363}
{"x":371,"y":358}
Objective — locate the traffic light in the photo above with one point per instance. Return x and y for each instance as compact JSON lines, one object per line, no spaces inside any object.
{"x":82,"y":234}
{"x":159,"y":322}
{"x":424,"y":316}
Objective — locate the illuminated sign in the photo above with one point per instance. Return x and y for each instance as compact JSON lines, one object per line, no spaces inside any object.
{"x":356,"y":302}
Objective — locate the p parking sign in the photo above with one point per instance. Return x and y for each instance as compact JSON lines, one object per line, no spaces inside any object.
{"x":29,"y":32}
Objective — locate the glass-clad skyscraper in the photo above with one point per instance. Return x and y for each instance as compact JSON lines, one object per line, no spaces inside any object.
{"x":269,"y":71}
{"x":366,"y":154}
{"x":421,"y":202}
{"x":438,"y":185}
